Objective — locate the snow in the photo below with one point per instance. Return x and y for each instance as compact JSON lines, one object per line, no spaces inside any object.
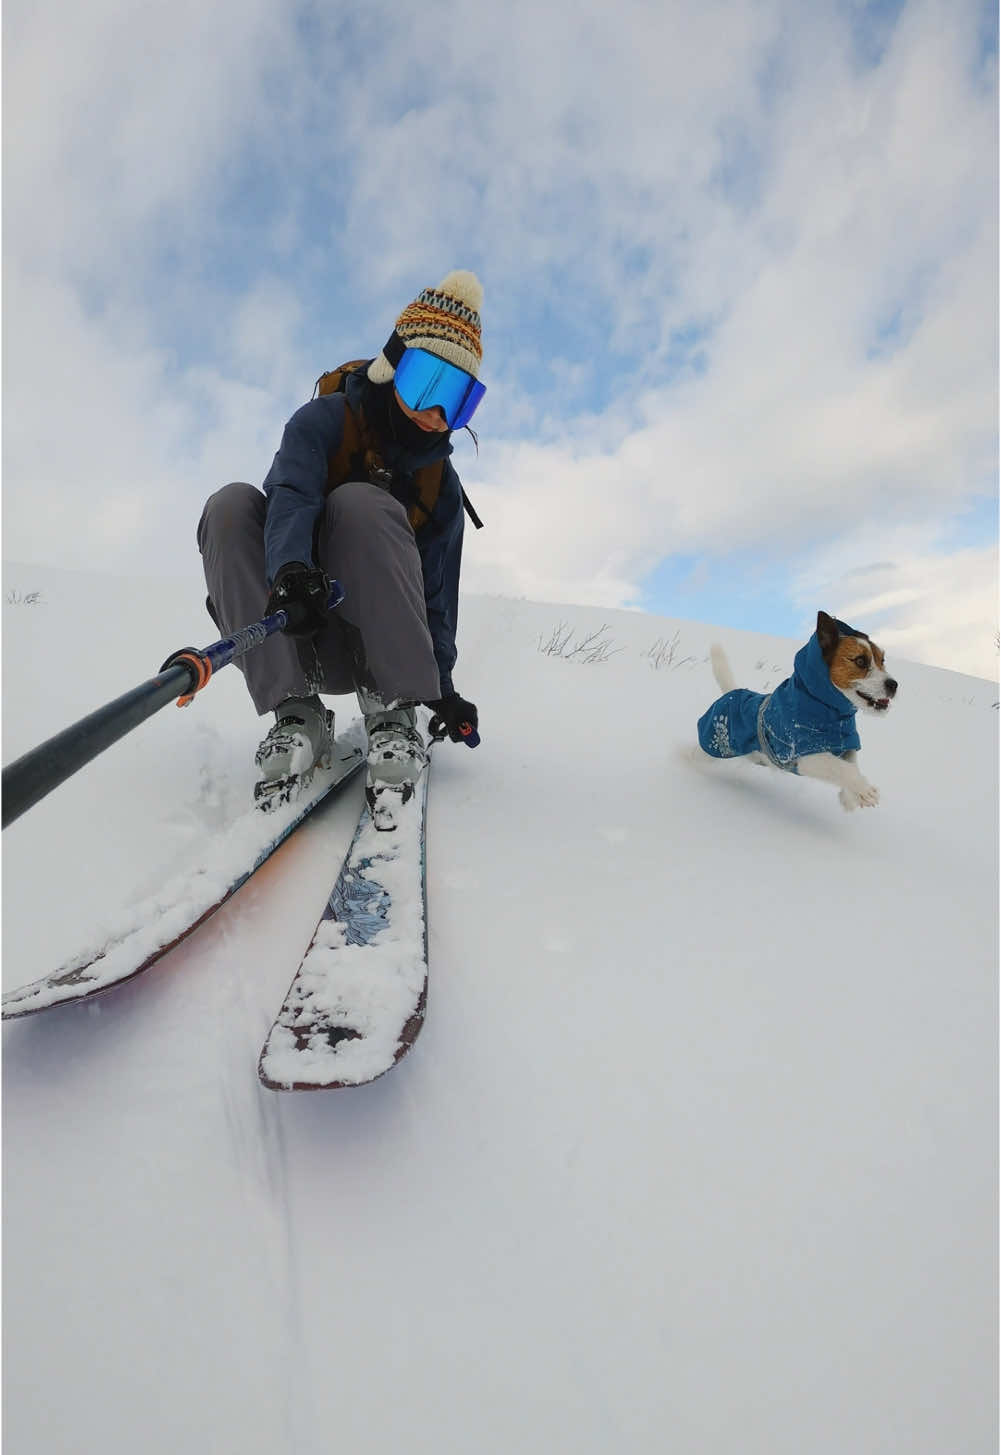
{"x":379,"y":985}
{"x":156,"y":921}
{"x":696,"y":1151}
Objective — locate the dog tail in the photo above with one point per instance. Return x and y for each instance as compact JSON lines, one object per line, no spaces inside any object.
{"x":721,"y":668}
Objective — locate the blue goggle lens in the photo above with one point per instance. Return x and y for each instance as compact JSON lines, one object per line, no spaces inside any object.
{"x":423,"y":381}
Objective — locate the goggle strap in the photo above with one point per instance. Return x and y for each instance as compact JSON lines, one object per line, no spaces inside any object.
{"x":394,"y":349}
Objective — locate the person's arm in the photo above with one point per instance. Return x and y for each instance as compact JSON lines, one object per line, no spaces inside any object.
{"x":296,"y":484}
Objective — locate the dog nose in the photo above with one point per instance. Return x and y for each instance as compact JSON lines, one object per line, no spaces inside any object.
{"x":891,"y":687}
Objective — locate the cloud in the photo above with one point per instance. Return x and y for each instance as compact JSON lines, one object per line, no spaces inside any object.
{"x":924,"y":606}
{"x":112,"y":447}
{"x":740,"y":267}
{"x":127,"y":112}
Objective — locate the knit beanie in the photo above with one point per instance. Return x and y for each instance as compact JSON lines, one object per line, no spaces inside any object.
{"x":444,"y":320}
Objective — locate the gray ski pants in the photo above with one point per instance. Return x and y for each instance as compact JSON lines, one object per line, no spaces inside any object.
{"x":377,"y":640}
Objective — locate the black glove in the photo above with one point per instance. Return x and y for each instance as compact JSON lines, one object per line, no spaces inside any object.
{"x":301,"y":592}
{"x":454,"y":713}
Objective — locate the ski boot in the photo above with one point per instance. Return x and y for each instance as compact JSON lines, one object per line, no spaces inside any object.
{"x":397,"y":757}
{"x":299,"y":743}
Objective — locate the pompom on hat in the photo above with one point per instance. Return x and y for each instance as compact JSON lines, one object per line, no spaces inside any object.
{"x":444,"y":320}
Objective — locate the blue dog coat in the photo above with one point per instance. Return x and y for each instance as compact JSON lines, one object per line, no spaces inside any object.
{"x":805,"y":714}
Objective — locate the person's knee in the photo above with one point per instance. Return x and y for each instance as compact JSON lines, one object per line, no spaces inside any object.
{"x":358,"y":504}
{"x":230,"y":509}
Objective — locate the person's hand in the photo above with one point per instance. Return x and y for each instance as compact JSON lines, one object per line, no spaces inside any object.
{"x":455,"y":713}
{"x":301,"y":592}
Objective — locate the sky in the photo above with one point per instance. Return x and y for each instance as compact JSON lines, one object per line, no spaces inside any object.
{"x":739,"y":262}
{"x":696,"y":1150}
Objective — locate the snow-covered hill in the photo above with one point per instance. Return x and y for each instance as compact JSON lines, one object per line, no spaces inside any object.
{"x":696,"y":1152}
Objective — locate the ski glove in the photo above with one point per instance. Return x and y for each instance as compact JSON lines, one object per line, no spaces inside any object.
{"x":455,"y":713}
{"x":301,"y":592}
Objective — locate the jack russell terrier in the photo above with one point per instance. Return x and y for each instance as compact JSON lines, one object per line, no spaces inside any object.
{"x":807,"y":725}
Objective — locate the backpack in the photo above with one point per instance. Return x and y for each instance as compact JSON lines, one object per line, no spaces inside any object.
{"x":357,"y":459}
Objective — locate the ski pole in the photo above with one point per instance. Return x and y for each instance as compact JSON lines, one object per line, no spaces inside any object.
{"x":183,"y":674}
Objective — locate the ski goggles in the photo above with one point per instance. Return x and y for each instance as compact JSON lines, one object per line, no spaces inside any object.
{"x":423,"y":381}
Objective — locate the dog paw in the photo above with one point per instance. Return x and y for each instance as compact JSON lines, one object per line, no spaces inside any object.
{"x":861,"y":795}
{"x":868,"y":794}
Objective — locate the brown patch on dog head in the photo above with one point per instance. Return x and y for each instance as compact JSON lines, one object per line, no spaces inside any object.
{"x":856,"y":665}
{"x":827,"y":635}
{"x":852,"y":661}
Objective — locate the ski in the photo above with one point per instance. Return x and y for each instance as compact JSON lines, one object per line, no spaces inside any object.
{"x":356,"y":1004}
{"x":156,"y":924}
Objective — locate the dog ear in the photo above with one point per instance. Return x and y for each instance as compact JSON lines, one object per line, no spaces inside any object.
{"x":827,"y":632}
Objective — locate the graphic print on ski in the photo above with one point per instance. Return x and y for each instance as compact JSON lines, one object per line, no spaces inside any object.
{"x":157,"y":924}
{"x":356,"y":1004}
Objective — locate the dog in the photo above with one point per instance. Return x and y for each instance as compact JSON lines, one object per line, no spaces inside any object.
{"x":807,"y":725}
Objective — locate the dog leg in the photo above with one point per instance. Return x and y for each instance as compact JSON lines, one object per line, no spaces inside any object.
{"x":721,"y":668}
{"x":855,"y":791}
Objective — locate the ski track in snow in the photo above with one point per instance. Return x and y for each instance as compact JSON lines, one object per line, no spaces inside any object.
{"x":257,"y":1138}
{"x":253,"y":1116}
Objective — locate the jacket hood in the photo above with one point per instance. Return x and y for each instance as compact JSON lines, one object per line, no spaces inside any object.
{"x":811,"y":675}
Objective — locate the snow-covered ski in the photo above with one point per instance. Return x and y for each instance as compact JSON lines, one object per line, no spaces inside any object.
{"x":357,"y":1002}
{"x":156,"y":924}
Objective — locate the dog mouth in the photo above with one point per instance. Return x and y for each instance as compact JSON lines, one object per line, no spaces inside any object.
{"x":878,"y":704}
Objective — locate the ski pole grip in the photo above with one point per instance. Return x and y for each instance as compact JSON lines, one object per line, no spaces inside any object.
{"x":438,"y":730}
{"x":201,"y":664}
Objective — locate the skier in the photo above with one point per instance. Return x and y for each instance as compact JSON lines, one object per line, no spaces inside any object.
{"x":361,"y":491}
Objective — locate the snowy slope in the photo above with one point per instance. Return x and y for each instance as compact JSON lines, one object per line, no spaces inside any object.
{"x":696,"y":1151}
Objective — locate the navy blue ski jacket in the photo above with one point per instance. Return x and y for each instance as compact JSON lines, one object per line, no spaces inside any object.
{"x":296,"y":489}
{"x":805,"y":714}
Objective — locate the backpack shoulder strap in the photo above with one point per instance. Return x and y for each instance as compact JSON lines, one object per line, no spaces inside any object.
{"x":333,"y":381}
{"x":347,"y":461}
{"x":351,"y":458}
{"x":470,"y":510}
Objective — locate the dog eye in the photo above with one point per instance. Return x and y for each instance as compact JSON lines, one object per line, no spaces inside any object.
{"x":861,"y":661}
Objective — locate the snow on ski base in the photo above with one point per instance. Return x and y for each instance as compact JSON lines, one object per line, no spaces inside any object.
{"x":696,"y":1150}
{"x":371,"y":990}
